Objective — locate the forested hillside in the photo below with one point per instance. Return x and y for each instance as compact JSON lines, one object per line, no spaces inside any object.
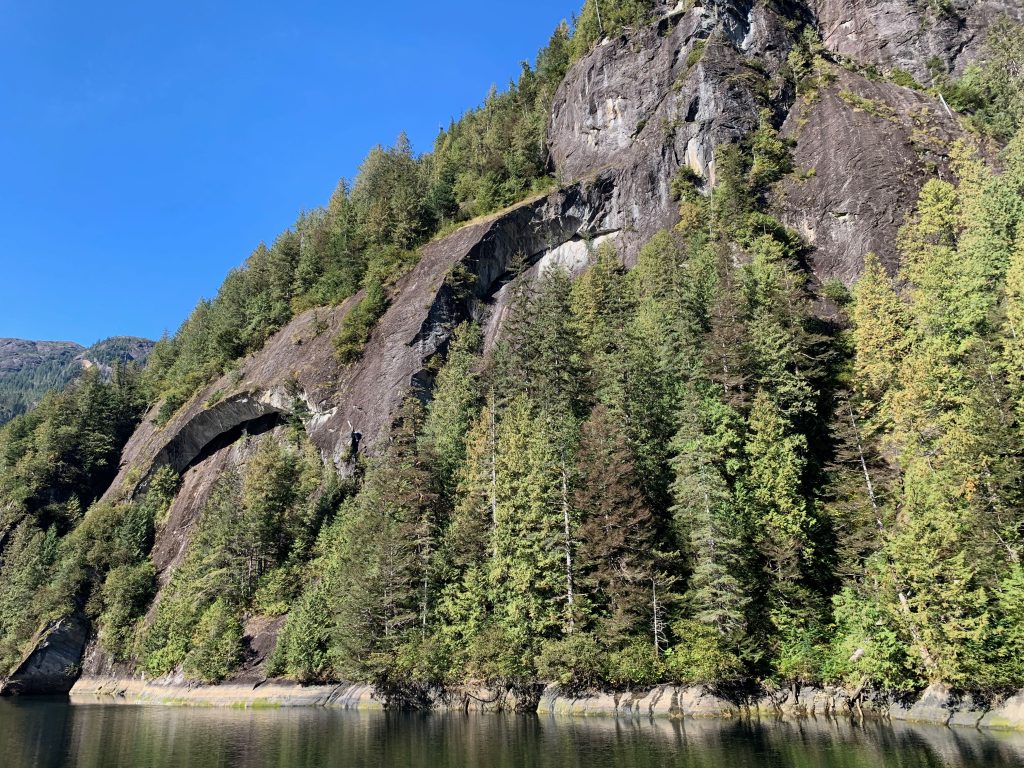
{"x":30,"y":369}
{"x":716,"y":466}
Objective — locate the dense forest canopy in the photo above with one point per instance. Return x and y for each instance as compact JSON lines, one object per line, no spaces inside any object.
{"x":29,"y":370}
{"x":686,"y":471}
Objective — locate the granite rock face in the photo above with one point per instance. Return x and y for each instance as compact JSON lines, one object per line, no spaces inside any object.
{"x":920,"y":37}
{"x":643,"y":107}
{"x":53,"y":665}
{"x":938,"y":705}
{"x":862,"y":150}
{"x":665,"y":97}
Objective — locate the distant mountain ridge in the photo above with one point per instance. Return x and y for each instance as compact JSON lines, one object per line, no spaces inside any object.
{"x":30,"y":369}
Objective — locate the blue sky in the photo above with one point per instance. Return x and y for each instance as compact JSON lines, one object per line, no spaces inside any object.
{"x":147,"y":148}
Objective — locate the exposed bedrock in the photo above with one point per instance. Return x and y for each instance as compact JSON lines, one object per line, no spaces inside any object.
{"x":203,"y":430}
{"x":921,"y":37}
{"x":53,"y":664}
{"x":862,"y":151}
{"x":662,"y":98}
{"x":937,"y":705}
{"x":296,"y":373}
{"x":644,"y":106}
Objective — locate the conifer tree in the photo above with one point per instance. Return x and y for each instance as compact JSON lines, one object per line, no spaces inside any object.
{"x":949,"y":431}
{"x":450,"y":413}
{"x":706,"y":515}
{"x":617,"y":553}
{"x":1013,"y":334}
{"x":527,"y":574}
{"x":385,"y":576}
{"x":602,"y":305}
{"x":880,"y":324}
{"x":539,"y":353}
{"x":777,"y":508}
{"x":467,"y":539}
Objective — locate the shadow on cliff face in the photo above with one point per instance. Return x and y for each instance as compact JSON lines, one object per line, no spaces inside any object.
{"x":253,"y":428}
{"x":216,"y":427}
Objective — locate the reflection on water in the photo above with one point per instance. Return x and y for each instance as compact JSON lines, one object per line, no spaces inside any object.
{"x":54,"y":733}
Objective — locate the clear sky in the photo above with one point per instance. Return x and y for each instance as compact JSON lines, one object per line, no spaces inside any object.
{"x":147,"y":148}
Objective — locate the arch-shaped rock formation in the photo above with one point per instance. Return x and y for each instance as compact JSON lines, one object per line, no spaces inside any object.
{"x":190,"y":440}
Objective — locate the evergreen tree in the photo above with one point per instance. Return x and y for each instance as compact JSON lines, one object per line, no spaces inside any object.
{"x":541,"y":354}
{"x":879,"y":319}
{"x":706,"y":516}
{"x":617,"y":550}
{"x":527,"y":570}
{"x":383,"y":573}
{"x":451,"y":412}
{"x":778,"y":512}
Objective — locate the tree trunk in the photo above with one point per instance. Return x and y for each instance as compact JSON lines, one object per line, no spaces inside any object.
{"x":569,"y":594}
{"x":926,"y":656}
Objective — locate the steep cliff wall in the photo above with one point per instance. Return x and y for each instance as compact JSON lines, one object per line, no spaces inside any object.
{"x":666,"y":97}
{"x":920,"y":37}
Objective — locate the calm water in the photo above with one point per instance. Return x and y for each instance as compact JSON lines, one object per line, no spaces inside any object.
{"x":45,"y":734}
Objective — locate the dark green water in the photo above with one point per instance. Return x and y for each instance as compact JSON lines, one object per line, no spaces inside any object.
{"x":44,"y":734}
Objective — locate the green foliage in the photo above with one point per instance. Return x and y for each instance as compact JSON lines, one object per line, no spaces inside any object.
{"x":576,"y":663}
{"x":376,"y":596}
{"x":368,"y":234}
{"x":706,"y":515}
{"x":54,"y":462}
{"x":62,"y":455}
{"x":540,"y":349}
{"x":617,"y":555}
{"x":696,"y":53}
{"x":702,"y":657}
{"x":874,"y":108}
{"x":991,"y":91}
{"x":637,"y":664}
{"x":304,"y":646}
{"x":216,"y":644}
{"x":254,"y":536}
{"x":496,"y":154}
{"x":28,"y":557}
{"x":127,"y":591}
{"x":607,"y":18}
{"x":938,"y":397}
{"x":451,"y":412}
{"x":771,"y":153}
{"x":678,"y":473}
{"x":359,"y":322}
{"x":867,"y":645}
{"x":903,"y":78}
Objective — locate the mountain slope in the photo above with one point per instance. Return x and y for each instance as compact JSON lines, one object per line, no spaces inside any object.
{"x":30,"y":369}
{"x":293,"y":512}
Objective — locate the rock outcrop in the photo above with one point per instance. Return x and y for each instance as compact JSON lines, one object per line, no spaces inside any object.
{"x":250,"y":695}
{"x":862,"y":150}
{"x":936,"y":706}
{"x":923,"y":38}
{"x":54,"y":663}
{"x":644,"y":106}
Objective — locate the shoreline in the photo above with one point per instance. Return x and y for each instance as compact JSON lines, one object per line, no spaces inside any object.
{"x":936,"y":706}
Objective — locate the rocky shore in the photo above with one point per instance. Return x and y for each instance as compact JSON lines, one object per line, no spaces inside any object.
{"x":938,"y":705}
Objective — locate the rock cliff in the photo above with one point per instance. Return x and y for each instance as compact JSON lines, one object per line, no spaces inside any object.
{"x":923,"y":38}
